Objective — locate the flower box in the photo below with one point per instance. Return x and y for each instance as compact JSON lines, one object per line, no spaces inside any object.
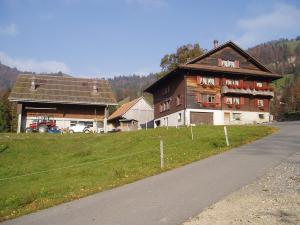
{"x":205,"y":104}
{"x":238,"y":106}
{"x":230,"y":105}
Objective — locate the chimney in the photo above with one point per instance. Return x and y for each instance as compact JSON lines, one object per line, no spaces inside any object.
{"x":216,"y":43}
{"x":33,"y":84}
{"x":95,"y":88}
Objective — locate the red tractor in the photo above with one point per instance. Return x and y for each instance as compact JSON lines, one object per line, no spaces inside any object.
{"x":41,"y":125}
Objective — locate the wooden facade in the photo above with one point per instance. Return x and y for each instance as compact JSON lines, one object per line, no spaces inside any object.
{"x":66,"y":100}
{"x":226,"y":82}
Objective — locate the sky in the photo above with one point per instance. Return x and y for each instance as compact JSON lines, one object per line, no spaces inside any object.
{"x":106,"y":38}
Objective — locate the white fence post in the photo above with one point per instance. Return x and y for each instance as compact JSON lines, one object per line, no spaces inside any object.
{"x":161,"y":154}
{"x":226,"y":135}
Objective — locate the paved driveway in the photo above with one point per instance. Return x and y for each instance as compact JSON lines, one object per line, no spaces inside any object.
{"x":174,"y":196}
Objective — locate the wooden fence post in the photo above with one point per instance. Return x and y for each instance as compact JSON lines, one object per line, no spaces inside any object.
{"x":161,"y":154}
{"x":192,"y":132}
{"x":226,"y":135}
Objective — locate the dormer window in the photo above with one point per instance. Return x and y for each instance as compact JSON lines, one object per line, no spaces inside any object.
{"x":33,"y":84}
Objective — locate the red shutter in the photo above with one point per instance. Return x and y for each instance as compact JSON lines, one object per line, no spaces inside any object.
{"x":242,"y":100}
{"x":218,"y":98}
{"x":216,"y":81}
{"x":241,"y":83}
{"x":199,"y":79}
{"x":199,"y":98}
{"x":224,"y":100}
{"x":219,"y":62}
{"x":237,"y":64}
{"x":266,"y":103}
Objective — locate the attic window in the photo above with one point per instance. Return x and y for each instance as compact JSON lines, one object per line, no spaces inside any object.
{"x":229,"y":63}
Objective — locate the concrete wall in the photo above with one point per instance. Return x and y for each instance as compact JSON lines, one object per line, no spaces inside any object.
{"x":171,"y":119}
{"x":218,"y":117}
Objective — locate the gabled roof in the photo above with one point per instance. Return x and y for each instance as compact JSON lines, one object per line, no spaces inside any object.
{"x":238,"y":49}
{"x":124,"y":108}
{"x":62,"y":89}
{"x":192,"y":65}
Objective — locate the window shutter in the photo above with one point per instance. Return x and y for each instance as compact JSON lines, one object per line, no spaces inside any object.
{"x":241,"y":82}
{"x":199,"y":96}
{"x":266,"y":103}
{"x":219,"y":62}
{"x":216,"y":81}
{"x":237,"y":64}
{"x":242,"y":100}
{"x":218,"y":98}
{"x":199,"y":79}
{"x":224,"y":99}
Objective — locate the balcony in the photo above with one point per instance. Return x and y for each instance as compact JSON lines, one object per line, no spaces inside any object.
{"x":248,"y":91}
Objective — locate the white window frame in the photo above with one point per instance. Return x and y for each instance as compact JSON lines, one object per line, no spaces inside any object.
{"x":259,"y":84}
{"x":260,"y":103}
{"x":232,"y":82}
{"x":209,"y":98}
{"x":228,"y":63}
{"x":237,"y":116}
{"x":208,"y":80}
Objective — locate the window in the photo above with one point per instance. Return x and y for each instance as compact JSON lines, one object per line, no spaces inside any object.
{"x":232,"y":82}
{"x":208,"y":98}
{"x":165,"y":106}
{"x":260,"y":103}
{"x":236,"y":116}
{"x":178,"y":100}
{"x":261,"y":116}
{"x":73,"y":123}
{"x":233,"y":100}
{"x":208,"y":80}
{"x":179,"y":117}
{"x":228,"y":63}
{"x":165,"y":90}
{"x":259,"y":84}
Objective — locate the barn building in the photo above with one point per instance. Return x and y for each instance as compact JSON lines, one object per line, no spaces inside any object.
{"x":66,"y":100}
{"x":133,"y":115}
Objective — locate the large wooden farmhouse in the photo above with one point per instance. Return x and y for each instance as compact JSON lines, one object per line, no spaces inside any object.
{"x":67,"y":100}
{"x":223,"y":86}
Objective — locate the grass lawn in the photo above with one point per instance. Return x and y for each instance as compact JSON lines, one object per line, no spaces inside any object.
{"x":41,"y":170}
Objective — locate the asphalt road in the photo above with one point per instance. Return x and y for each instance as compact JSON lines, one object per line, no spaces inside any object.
{"x":175,"y":196}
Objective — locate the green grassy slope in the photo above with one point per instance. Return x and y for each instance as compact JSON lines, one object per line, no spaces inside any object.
{"x":60,"y":168}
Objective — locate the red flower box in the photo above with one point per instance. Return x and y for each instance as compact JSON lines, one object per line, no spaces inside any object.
{"x":230,"y":105}
{"x":205,"y":104}
{"x":245,"y":87}
{"x":213,"y":105}
{"x":238,"y":106}
{"x":204,"y":85}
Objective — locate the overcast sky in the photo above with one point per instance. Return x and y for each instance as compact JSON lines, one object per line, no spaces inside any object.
{"x":113,"y":37}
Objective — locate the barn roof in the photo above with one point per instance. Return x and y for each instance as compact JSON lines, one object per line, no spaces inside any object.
{"x":62,"y":89}
{"x":123,"y":109}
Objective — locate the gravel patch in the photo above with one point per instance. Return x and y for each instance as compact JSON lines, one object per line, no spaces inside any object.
{"x":272,"y":199}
